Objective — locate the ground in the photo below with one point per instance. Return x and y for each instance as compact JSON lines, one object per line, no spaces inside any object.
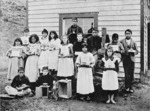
{"x":138,"y":101}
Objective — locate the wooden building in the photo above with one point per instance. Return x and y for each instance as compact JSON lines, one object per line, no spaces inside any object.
{"x":115,"y":15}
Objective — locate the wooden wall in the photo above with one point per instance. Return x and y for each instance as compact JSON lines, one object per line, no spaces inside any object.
{"x":145,"y":39}
{"x":115,"y":15}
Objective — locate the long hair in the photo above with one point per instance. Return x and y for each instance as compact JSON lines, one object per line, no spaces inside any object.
{"x":109,"y":48}
{"x":44,"y":31}
{"x":55,"y":35}
{"x":35,"y":36}
{"x":62,"y":39}
{"x":17,"y":40}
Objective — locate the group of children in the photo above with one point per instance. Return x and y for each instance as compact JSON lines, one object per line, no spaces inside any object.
{"x":47,"y":58}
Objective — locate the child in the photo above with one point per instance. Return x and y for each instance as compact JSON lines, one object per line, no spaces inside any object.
{"x":25,"y":38}
{"x":16,"y":55}
{"x":54,"y":44}
{"x":65,"y":63}
{"x":117,"y":47}
{"x":43,"y":59}
{"x":110,"y":78}
{"x":48,"y":80}
{"x":77,"y":48}
{"x":85,"y":61}
{"x":31,"y":69}
{"x":20,"y":85}
{"x":25,"y":42}
{"x":45,"y":78}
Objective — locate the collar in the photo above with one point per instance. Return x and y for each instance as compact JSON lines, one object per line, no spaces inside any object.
{"x":111,"y":58}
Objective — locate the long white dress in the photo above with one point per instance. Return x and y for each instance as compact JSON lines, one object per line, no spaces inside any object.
{"x":65,"y":65}
{"x":110,"y":77}
{"x":53,"y":54}
{"x":14,"y":61}
{"x":85,"y":77}
{"x":43,"y":59}
{"x":31,"y":69}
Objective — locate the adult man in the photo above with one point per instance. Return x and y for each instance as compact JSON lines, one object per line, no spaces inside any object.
{"x":130,"y":50}
{"x":73,"y":31}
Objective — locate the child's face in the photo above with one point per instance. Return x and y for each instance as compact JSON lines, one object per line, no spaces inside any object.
{"x":80,"y":37}
{"x":52,"y":35}
{"x":128,"y":35}
{"x":33,"y":39}
{"x":44,"y":34}
{"x":109,"y":53}
{"x":84,"y":49}
{"x":17,"y":43}
{"x":104,"y":32}
{"x":45,"y":72}
{"x":65,"y":40}
{"x":21,"y":73}
{"x":26,"y":33}
{"x":115,"y":40}
{"x":94,"y":33}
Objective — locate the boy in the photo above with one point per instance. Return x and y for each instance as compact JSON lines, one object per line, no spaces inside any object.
{"x":47,"y":80}
{"x":130,"y":50}
{"x":20,"y":85}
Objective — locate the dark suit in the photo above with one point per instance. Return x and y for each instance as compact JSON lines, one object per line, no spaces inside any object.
{"x":129,"y":62}
{"x":72,"y":33}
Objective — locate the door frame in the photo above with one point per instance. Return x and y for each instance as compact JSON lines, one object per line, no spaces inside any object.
{"x":78,"y":15}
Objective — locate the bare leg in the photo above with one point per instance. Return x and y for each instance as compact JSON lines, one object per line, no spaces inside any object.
{"x":112,"y":99}
{"x":108,"y":101}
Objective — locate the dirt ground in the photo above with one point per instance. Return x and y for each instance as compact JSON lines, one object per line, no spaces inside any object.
{"x":138,"y":101}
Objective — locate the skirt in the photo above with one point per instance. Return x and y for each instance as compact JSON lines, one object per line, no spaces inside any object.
{"x":31,"y":69}
{"x":14,"y":64}
{"x":53,"y":59}
{"x":85,"y":83}
{"x":65,"y":67}
{"x":110,"y":80}
{"x":43,"y":60}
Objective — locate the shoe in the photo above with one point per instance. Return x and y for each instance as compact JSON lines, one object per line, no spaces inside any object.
{"x":131,"y":91}
{"x":127,"y":90}
{"x":82,"y":98}
{"x":108,"y":101}
{"x":88,"y":98}
{"x":113,"y":102}
{"x":31,"y":95}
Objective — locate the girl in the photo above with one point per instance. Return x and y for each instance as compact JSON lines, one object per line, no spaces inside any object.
{"x":117,"y":47}
{"x":54,"y":45}
{"x":43,"y":59}
{"x":85,"y":61}
{"x":16,"y":55}
{"x":110,"y":78}
{"x":31,"y":69}
{"x":65,"y":62}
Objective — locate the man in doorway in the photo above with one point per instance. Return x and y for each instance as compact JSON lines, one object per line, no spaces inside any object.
{"x":73,"y":30}
{"x":128,"y":58}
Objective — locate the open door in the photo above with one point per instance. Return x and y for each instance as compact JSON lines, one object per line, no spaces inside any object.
{"x":84,"y":21}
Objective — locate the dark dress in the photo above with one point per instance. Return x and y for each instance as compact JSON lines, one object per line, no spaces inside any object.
{"x":19,"y":81}
{"x":72,"y":33}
